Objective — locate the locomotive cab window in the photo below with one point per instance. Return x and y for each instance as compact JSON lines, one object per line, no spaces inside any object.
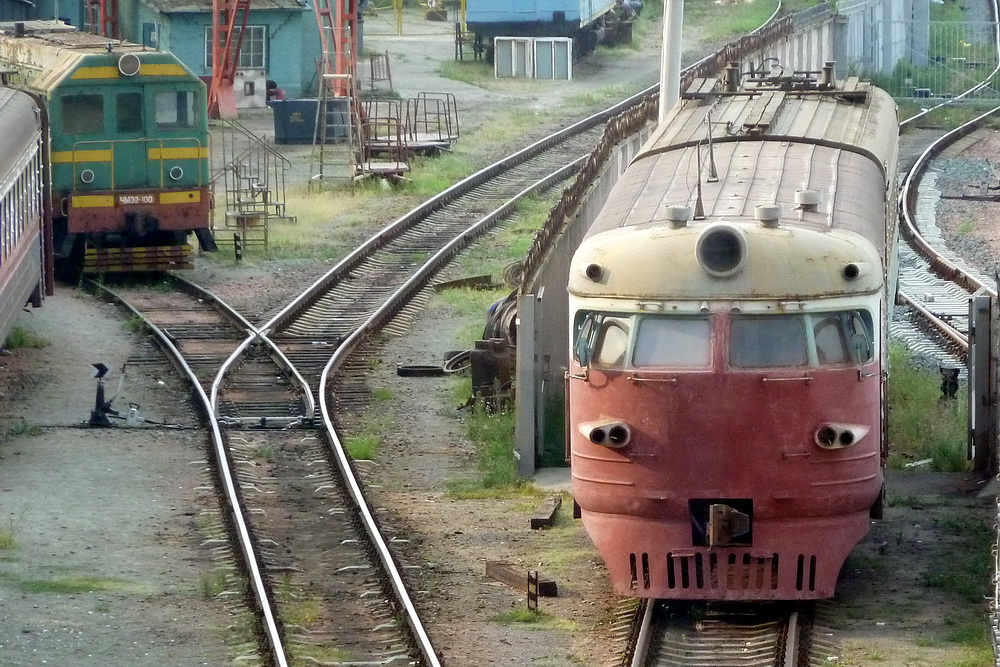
{"x":82,"y":114}
{"x":607,"y":340}
{"x":809,"y":339}
{"x":175,"y":110}
{"x":673,"y":342}
{"x":611,"y":345}
{"x":128,"y":107}
{"x":601,"y":339}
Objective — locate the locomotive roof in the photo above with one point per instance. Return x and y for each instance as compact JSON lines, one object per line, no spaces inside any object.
{"x":822,"y":161}
{"x":49,"y":52}
{"x":851,"y":114}
{"x":764,"y":149}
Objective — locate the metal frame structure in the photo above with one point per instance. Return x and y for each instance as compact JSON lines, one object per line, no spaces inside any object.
{"x":102,"y":15}
{"x":226,"y":42}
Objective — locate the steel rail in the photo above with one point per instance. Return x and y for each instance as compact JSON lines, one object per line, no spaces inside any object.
{"x":907,"y":203}
{"x":253,"y":332}
{"x":945,"y":329}
{"x":262,"y":598}
{"x":390,"y":307}
{"x":642,"y":642}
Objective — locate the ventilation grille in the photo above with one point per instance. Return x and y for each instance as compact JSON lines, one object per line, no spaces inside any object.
{"x":721,"y":571}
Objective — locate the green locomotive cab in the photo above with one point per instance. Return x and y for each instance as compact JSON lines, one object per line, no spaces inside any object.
{"x":128,"y":149}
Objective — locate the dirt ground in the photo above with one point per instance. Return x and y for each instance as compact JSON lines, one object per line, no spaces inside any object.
{"x":107,"y":558}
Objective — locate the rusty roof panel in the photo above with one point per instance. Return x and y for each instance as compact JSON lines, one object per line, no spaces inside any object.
{"x":199,"y":6}
{"x":50,"y":51}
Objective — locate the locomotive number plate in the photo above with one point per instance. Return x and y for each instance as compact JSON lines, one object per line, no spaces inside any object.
{"x":131,"y":200}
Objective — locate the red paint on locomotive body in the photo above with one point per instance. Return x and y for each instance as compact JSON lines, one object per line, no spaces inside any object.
{"x":109,"y":211}
{"x":725,"y":433}
{"x":727,"y":373}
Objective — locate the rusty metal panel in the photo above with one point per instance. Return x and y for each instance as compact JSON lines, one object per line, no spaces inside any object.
{"x":982,"y":382}
{"x":868,"y":126}
{"x":151,"y":258}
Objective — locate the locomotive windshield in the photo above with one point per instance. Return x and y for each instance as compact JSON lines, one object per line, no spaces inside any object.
{"x":176,"y":110}
{"x":620,"y":340}
{"x":82,"y":113}
{"x":807,"y":339}
{"x":607,"y":340}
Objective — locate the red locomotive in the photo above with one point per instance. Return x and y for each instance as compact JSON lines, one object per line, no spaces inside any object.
{"x":728,"y":313}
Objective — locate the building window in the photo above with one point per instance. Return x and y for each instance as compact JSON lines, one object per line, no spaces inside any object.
{"x":253,"y":50}
{"x":150,"y":35}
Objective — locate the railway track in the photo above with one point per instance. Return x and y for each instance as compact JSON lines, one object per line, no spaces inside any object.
{"x":325,"y":583}
{"x":936,"y":283}
{"x":656,"y":633}
{"x":280,"y":393}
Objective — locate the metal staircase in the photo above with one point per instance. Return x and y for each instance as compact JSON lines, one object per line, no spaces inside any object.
{"x":337,"y":141}
{"x":253,"y":179}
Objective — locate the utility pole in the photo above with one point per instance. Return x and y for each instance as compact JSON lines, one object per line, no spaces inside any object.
{"x":670,"y":61}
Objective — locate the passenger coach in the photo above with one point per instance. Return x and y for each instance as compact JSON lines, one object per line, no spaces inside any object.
{"x":22,"y":232}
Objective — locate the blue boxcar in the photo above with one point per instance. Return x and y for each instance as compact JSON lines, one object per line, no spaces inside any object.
{"x":533,"y":18}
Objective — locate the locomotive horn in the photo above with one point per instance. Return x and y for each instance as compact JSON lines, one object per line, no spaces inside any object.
{"x":840,"y":436}
{"x":609,"y":434}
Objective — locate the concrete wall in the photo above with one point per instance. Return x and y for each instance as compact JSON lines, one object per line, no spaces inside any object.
{"x":543,"y":310}
{"x":859,"y":36}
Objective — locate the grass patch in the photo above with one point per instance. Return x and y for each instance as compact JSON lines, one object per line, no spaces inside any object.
{"x":72,"y":585}
{"x":23,"y":428}
{"x":363,"y":447}
{"x":265,"y":452}
{"x":431,"y":175}
{"x":539,"y":619}
{"x":382,"y":394}
{"x":213,"y":583}
{"x":135,"y":324}
{"x":921,"y":425}
{"x":364,"y":444}
{"x":724,"y":22}
{"x":966,"y":227}
{"x":19,"y":337}
{"x":964,"y":566}
{"x":492,"y":432}
{"x":302,"y":612}
{"x":475,"y":73}
{"x":8,"y":537}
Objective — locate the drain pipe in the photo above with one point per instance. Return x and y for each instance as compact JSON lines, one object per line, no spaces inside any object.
{"x":670,"y":59}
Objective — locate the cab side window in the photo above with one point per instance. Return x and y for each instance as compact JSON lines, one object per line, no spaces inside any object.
{"x":83,"y":114}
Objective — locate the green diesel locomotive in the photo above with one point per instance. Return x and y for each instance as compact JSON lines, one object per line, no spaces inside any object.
{"x":127,"y":146}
